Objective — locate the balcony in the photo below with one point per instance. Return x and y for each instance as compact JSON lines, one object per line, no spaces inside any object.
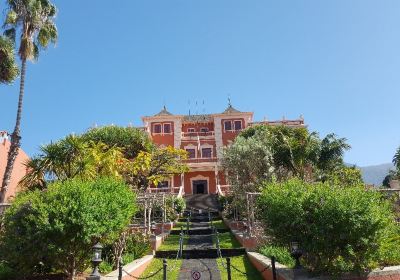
{"x":208,"y":134}
{"x":200,"y":160}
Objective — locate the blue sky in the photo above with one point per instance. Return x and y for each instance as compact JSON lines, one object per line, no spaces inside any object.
{"x":336,"y":62}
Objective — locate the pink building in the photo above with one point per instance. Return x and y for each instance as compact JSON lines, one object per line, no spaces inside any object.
{"x":19,"y":170}
{"x":203,"y":137}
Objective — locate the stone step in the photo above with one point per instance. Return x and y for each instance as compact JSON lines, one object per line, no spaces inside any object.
{"x":202,"y":254}
{"x":202,"y":202}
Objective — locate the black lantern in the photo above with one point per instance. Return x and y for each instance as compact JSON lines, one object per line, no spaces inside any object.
{"x":96,"y":261}
{"x":296,"y":253}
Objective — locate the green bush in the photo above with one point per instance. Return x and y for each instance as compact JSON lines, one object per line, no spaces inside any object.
{"x":56,"y":229}
{"x":5,"y":272}
{"x":339,"y":229}
{"x":179,"y":205}
{"x":281,"y":254}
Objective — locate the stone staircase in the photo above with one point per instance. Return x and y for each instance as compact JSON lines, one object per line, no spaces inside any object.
{"x":202,"y":202}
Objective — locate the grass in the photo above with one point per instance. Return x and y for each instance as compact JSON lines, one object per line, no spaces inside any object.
{"x":227,"y":241}
{"x":156,"y":264}
{"x":243,"y":264}
{"x":178,"y":225}
{"x":281,"y":254}
{"x":219,"y":224}
{"x":172,"y":243}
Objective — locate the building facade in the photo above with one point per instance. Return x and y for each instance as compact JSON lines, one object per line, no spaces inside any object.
{"x":203,"y":137}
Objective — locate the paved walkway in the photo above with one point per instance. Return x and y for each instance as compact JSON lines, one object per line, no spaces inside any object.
{"x":206,"y":269}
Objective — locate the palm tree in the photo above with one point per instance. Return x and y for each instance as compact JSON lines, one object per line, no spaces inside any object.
{"x":72,"y":157}
{"x":396,"y":160}
{"x":8,"y":67}
{"x":34,"y":20}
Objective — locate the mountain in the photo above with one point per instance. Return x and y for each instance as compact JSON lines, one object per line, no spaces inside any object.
{"x":374,"y":174}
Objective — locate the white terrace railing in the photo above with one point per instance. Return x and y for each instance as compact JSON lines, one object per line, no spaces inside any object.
{"x":222,"y":190}
{"x":171,"y":190}
{"x":181,"y":191}
{"x":197,"y":134}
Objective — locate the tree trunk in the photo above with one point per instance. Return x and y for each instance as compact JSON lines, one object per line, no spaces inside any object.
{"x":15,"y":138}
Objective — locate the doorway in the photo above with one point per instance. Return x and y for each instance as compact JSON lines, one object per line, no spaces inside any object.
{"x":200,"y":187}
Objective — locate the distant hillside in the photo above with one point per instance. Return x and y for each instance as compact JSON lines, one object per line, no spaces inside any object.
{"x":375,"y":174}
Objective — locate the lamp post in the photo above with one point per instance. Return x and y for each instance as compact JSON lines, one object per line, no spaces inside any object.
{"x":296,"y":253}
{"x":96,"y":260}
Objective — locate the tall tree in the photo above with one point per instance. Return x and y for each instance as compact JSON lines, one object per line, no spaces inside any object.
{"x":34,"y":20}
{"x":8,"y":67}
{"x":396,"y":159}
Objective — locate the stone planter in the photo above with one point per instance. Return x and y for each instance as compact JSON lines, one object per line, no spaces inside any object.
{"x":135,"y":268}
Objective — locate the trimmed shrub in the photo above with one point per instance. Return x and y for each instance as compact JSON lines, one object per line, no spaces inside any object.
{"x":56,"y":229}
{"x":339,"y":229}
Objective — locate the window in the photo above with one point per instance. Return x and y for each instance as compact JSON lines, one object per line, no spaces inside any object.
{"x":167,"y":128}
{"x":228,"y":125}
{"x":204,"y":129}
{"x":191,"y":153}
{"x":191,"y":129}
{"x":163,"y":184}
{"x":206,"y":152}
{"x":238,"y":125}
{"x":157,"y":128}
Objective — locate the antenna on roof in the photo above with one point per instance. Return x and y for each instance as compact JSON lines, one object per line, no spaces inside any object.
{"x":189,"y":106}
{"x":197,"y":109}
{"x":229,"y":100}
{"x":204,"y":108}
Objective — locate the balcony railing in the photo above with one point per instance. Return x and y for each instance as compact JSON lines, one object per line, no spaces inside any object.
{"x":197,"y":134}
{"x":200,"y":160}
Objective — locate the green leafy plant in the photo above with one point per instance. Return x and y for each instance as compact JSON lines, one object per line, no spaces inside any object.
{"x":281,"y":254}
{"x":339,"y":228}
{"x":56,"y":229}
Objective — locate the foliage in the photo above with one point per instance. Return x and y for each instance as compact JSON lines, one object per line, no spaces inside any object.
{"x":58,"y":228}
{"x":243,"y":264}
{"x":264,"y":152}
{"x":227,"y":240}
{"x":155,"y":166}
{"x":396,"y":159}
{"x":6,"y":272}
{"x":269,"y":153}
{"x":387,"y":179}
{"x":35,"y":20}
{"x":86,"y":156}
{"x":179,"y":205}
{"x":248,"y":161}
{"x":171,"y":243}
{"x":69,"y":158}
{"x":344,"y":176}
{"x":339,"y":228}
{"x":174,"y":269}
{"x":8,"y":67}
{"x":136,"y":245}
{"x":281,"y":254}
{"x":130,"y":140}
